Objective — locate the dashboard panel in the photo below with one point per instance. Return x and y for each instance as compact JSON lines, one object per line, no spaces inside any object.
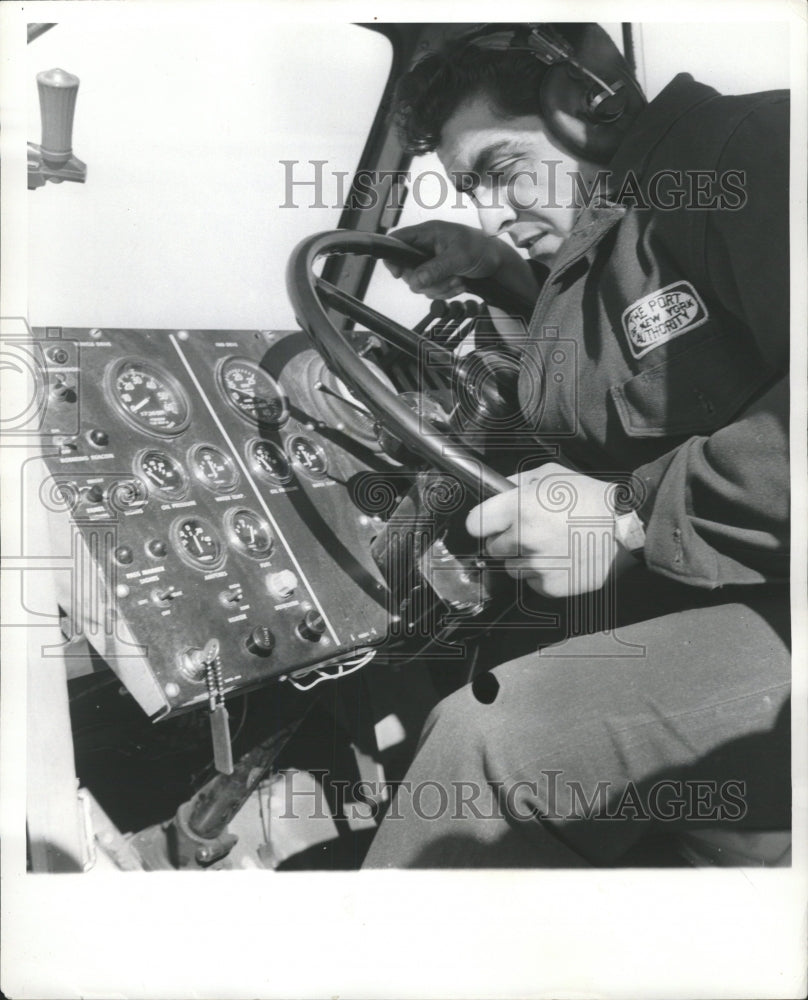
{"x":213,"y":476}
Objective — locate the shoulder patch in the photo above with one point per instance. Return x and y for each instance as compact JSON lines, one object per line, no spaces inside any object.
{"x":659,"y":317}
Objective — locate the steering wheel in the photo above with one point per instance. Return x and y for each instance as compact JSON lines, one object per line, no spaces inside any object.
{"x":310,"y":295}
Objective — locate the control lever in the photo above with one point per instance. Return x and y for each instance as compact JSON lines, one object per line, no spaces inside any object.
{"x":442,"y":331}
{"x":53,"y":159}
{"x":437,"y":310}
{"x":472,"y":311}
{"x":198,"y":835}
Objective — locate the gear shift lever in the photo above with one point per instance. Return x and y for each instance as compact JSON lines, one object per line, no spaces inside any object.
{"x":53,"y":160}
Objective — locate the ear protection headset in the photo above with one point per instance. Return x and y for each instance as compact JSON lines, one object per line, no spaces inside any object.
{"x":587,"y":97}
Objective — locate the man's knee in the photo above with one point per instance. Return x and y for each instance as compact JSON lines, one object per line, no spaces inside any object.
{"x":463,"y":719}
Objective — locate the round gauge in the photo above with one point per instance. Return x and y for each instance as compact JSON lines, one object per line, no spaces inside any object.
{"x":307,"y":456}
{"x":148,"y":398}
{"x":163,"y":473}
{"x":248,"y":532}
{"x":252,"y":392}
{"x":213,"y":467}
{"x":269,"y":461}
{"x":197,"y":543}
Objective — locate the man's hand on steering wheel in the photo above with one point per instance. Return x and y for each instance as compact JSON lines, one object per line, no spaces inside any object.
{"x":555,"y":531}
{"x":457,"y":252}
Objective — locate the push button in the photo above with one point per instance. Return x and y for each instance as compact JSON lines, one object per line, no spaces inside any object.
{"x":98,"y":438}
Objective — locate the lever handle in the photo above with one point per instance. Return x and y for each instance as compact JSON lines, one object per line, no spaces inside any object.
{"x":57,"y":101}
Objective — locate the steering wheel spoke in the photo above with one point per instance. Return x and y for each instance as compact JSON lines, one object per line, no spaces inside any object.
{"x":311,"y":296}
{"x":391,"y":332}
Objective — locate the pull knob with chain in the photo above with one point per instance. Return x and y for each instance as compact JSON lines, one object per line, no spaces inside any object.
{"x":210,"y":659}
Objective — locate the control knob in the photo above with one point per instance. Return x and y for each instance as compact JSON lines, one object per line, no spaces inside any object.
{"x":312,"y":627}
{"x":261,"y":641}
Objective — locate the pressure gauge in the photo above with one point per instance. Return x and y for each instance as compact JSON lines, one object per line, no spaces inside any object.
{"x":148,"y":398}
{"x":213,"y":468}
{"x":248,"y":532}
{"x":268,"y":461}
{"x":197,"y":543}
{"x":308,"y":456}
{"x":252,"y":392}
{"x":164,"y":474}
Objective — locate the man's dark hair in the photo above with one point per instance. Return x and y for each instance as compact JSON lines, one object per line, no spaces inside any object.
{"x":429,"y":94}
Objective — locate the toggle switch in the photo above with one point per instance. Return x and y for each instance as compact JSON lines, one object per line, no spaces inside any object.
{"x":62,"y":391}
{"x":231,"y":596}
{"x":163,"y":596}
{"x":67,"y":446}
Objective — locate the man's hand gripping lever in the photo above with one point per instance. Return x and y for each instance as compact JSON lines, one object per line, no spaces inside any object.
{"x":555,"y":529}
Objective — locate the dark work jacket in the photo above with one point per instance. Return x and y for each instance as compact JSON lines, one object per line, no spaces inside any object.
{"x":659,"y":343}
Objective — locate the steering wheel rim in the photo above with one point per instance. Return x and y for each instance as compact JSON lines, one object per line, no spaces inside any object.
{"x":399,"y":419}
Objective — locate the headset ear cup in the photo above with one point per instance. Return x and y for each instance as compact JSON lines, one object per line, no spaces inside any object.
{"x":604,"y":107}
{"x":585,"y":119}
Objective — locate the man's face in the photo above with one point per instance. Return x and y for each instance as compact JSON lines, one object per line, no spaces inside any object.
{"x":520,"y":180}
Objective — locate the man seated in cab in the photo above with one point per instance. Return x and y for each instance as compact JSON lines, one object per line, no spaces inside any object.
{"x":664,"y":226}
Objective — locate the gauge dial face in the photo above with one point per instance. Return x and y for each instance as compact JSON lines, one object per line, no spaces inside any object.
{"x":213,"y":467}
{"x":252,"y":392}
{"x":268,"y":461}
{"x":148,"y":397}
{"x":249,"y":532}
{"x":197,"y":542}
{"x":307,"y":456}
{"x":163,"y":473}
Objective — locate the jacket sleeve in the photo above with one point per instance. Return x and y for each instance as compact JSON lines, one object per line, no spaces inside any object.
{"x":716,"y":508}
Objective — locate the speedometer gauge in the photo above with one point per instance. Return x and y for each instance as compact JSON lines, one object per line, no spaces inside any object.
{"x":148,"y":397}
{"x":252,"y":392}
{"x":197,"y":543}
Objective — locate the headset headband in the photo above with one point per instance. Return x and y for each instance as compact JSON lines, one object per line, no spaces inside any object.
{"x":541,"y":41}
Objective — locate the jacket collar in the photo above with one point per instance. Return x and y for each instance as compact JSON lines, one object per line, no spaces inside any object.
{"x":653,"y":123}
{"x":592,"y":224}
